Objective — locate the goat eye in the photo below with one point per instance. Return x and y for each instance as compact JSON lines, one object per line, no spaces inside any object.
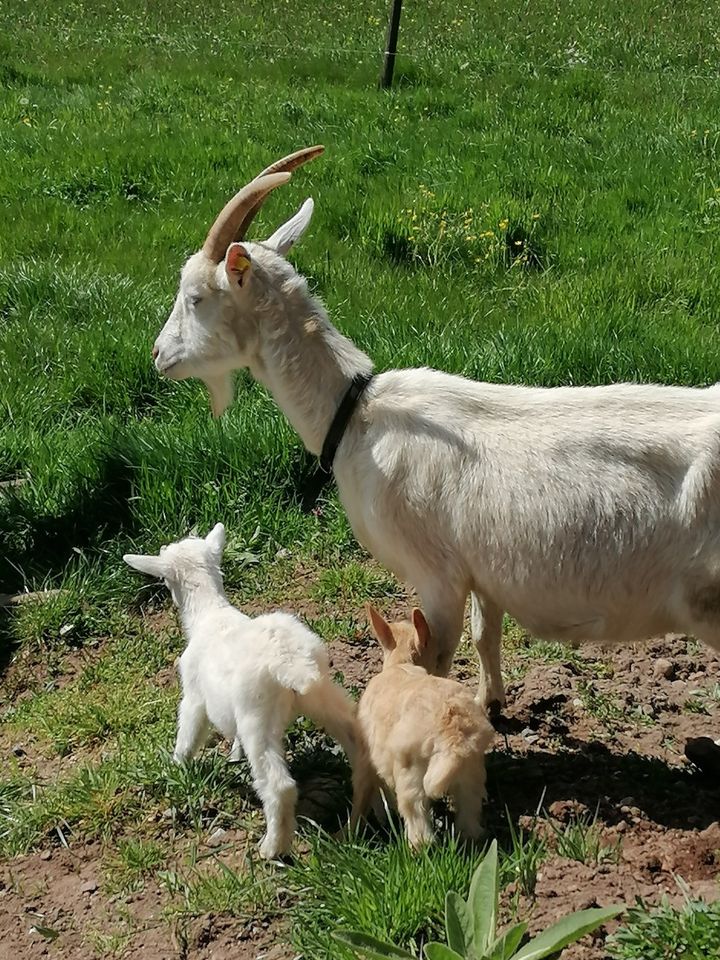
{"x":194,"y":301}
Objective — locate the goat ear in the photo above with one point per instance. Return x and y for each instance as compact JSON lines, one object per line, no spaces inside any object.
{"x":216,"y":540}
{"x":290,"y":232}
{"x":422,"y":630}
{"x":237,"y":263}
{"x":155,"y":566}
{"x":221,"y":392}
{"x":381,"y":628}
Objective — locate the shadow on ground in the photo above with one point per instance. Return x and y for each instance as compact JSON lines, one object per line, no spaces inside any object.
{"x":593,"y":775}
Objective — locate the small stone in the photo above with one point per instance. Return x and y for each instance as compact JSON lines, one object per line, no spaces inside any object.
{"x":664,"y":668}
{"x":577,"y":702}
{"x":627,"y":802}
{"x":282,"y":554}
{"x":169,"y":814}
{"x":621,"y":827}
{"x":216,"y":837}
{"x":66,"y":629}
{"x":90,"y":886}
{"x":46,"y":855}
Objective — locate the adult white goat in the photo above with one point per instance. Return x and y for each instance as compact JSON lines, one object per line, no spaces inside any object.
{"x":588,"y":513}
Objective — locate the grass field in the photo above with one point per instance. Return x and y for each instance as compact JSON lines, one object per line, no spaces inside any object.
{"x":537,"y":200}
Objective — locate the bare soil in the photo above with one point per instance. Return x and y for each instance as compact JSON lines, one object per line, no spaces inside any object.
{"x":599,"y":734}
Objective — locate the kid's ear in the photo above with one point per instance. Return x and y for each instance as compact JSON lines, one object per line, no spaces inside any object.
{"x":422,"y":630}
{"x":381,"y":628}
{"x":216,"y":540}
{"x":237,"y":263}
{"x":155,"y":566}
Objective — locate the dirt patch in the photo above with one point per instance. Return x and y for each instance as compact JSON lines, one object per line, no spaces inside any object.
{"x":596,"y":735}
{"x":601,"y":735}
{"x":52,"y":904}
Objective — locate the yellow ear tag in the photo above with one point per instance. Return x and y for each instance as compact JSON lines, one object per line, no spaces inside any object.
{"x":241,"y":264}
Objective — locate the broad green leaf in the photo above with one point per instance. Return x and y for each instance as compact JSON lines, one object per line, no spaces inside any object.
{"x":48,"y":932}
{"x":368,"y":946}
{"x":566,"y":931}
{"x":482,"y":901}
{"x":438,"y":951}
{"x":458,"y":923}
{"x":506,"y":945}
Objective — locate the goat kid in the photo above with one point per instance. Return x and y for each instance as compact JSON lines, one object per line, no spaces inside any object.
{"x":588,"y":513}
{"x":247,"y":677}
{"x":423,"y":736}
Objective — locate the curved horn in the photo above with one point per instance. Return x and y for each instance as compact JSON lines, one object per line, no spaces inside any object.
{"x":287,"y":164}
{"x":223,"y":231}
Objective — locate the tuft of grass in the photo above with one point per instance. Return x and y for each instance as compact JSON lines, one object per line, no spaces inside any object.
{"x":691,"y":932}
{"x":206,"y":884}
{"x":381,"y":888}
{"x":133,"y":860}
{"x":353,"y":582}
{"x":604,"y":707}
{"x":581,"y":840}
{"x":528,"y":849}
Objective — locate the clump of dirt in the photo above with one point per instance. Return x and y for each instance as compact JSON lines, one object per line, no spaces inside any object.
{"x":600,"y":738}
{"x":52,"y":903}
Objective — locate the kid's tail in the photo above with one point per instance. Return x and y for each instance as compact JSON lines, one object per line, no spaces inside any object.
{"x":466,"y":737}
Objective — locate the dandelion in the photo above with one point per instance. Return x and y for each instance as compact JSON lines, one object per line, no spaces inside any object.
{"x":536,"y":216}
{"x":503,"y":224}
{"x":27,"y":121}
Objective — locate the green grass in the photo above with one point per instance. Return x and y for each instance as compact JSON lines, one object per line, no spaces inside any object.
{"x":668,"y":933}
{"x":536,"y":201}
{"x":380,"y":888}
{"x":133,"y":860}
{"x":581,"y":840}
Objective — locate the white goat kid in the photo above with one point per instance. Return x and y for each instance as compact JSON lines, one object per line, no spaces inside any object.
{"x":247,"y":677}
{"x":588,"y":513}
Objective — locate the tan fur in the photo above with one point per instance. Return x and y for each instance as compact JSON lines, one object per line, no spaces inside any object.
{"x":421,"y":736}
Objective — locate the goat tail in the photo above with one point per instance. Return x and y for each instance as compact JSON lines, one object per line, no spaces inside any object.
{"x":441,"y":773}
{"x":300,"y":675}
{"x":465,"y":738}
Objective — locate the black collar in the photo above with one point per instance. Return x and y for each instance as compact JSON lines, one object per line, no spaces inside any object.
{"x":342,"y":418}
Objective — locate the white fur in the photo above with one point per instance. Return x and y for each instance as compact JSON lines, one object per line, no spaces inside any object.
{"x":247,"y":678}
{"x":588,"y":513}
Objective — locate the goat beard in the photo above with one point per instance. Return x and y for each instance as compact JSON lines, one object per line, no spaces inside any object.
{"x":220,"y":389}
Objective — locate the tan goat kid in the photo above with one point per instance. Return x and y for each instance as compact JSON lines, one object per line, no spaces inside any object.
{"x":421,"y":736}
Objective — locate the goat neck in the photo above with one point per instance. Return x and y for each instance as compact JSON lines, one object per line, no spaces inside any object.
{"x":303,"y":360}
{"x":196,"y":592}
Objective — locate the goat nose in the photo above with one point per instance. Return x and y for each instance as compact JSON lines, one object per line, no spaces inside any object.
{"x":155,"y":353}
